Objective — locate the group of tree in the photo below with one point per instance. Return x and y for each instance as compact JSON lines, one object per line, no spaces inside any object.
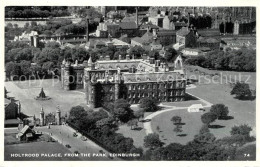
{"x":35,"y":12}
{"x":217,"y":111}
{"x":204,"y":146}
{"x":238,"y":60}
{"x":102,"y":127}
{"x":149,"y":104}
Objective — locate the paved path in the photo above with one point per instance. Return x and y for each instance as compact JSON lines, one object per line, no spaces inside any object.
{"x":148,"y":126}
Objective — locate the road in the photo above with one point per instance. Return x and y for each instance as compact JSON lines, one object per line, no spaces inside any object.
{"x":64,"y":135}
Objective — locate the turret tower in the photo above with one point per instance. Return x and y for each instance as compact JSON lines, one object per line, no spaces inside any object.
{"x":58,"y":117}
{"x":66,"y":76}
{"x":42,"y":119}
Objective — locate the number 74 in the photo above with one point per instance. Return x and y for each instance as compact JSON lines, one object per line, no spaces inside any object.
{"x":246,"y":155}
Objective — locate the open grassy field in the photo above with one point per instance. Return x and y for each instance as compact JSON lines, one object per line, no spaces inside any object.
{"x":191,"y":127}
{"x":37,"y":147}
{"x":224,"y":77}
{"x":26,"y":91}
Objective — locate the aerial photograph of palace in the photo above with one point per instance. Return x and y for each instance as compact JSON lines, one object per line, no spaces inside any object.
{"x":130,"y":83}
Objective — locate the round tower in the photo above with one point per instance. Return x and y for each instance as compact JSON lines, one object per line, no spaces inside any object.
{"x":42,"y":121}
{"x":66,"y":76}
{"x":58,"y":117}
{"x":117,"y":87}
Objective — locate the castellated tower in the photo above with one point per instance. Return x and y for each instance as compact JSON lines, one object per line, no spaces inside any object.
{"x":66,"y":76}
{"x":117,"y":82}
{"x":42,"y":119}
{"x":92,"y":92}
{"x":58,"y":117}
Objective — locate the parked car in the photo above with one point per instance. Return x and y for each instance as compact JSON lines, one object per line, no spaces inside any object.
{"x":68,"y":146}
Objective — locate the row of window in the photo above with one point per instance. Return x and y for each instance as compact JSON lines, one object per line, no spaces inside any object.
{"x":155,"y":86}
{"x":160,"y":94}
{"x":163,"y":99}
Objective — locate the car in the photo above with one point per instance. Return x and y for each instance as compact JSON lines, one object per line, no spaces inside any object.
{"x":68,"y":146}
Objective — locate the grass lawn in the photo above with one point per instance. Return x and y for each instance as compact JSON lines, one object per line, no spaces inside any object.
{"x":167,"y":135}
{"x":26,"y":91}
{"x":225,"y":76}
{"x":37,"y":147}
{"x":138,"y":134}
{"x":244,"y":112}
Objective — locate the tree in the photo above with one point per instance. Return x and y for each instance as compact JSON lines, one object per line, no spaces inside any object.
{"x":177,"y":129}
{"x":241,"y":90}
{"x":12,"y":68}
{"x":243,"y":130}
{"x":170,"y":54}
{"x":208,"y":118}
{"x":136,"y":51}
{"x":176,"y":119}
{"x":122,"y":110}
{"x":75,"y":112}
{"x":204,"y":138}
{"x":25,"y":67}
{"x":139,"y":113}
{"x":204,"y":129}
{"x":220,"y":110}
{"x":152,"y":141}
{"x":149,"y":104}
{"x":132,"y":122}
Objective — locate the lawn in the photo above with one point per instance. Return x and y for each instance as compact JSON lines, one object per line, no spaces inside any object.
{"x":26,"y":91}
{"x":37,"y":147}
{"x":191,"y":127}
{"x":138,"y":134}
{"x":244,"y":112}
{"x":224,"y":76}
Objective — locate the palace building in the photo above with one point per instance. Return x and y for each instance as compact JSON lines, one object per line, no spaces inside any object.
{"x":133,"y":79}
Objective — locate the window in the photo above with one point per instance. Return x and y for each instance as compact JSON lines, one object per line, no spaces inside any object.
{"x":130,"y":87}
{"x":154,"y":86}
